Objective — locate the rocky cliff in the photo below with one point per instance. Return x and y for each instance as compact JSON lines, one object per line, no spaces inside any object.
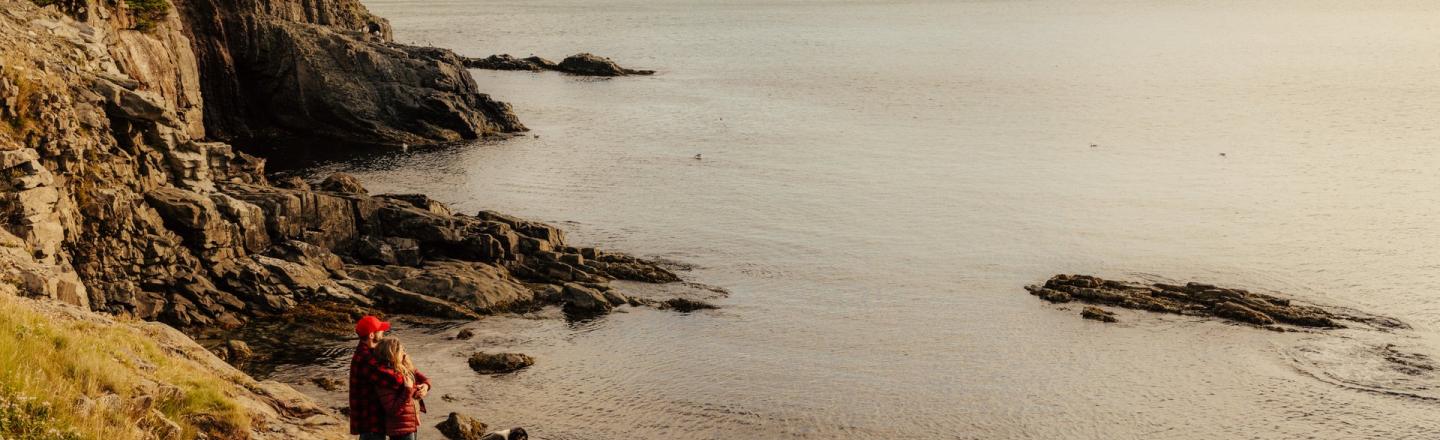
{"x":118,"y":196}
{"x":327,"y":69}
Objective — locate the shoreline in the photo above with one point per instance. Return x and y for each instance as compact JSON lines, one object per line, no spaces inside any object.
{"x":141,"y":209}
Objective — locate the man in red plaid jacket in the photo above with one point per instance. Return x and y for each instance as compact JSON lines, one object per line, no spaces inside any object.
{"x":367,"y":417}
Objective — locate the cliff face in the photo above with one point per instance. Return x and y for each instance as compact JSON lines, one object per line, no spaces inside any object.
{"x":115,"y":198}
{"x":113,"y":202}
{"x":327,"y":69}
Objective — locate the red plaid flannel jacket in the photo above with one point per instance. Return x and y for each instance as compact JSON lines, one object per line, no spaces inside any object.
{"x":366,"y":413}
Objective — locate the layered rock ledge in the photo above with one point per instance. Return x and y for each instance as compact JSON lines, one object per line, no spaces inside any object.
{"x":1200,"y":299}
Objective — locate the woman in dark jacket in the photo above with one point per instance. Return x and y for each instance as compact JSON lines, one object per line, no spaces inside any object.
{"x":402,"y":404}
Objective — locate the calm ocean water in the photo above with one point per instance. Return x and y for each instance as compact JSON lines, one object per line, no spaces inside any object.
{"x":880,"y":179}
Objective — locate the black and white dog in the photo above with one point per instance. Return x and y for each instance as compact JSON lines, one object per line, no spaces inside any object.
{"x":507,"y":434}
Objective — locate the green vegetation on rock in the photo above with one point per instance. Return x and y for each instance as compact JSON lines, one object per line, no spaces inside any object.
{"x":64,"y":378}
{"x":147,"y":12}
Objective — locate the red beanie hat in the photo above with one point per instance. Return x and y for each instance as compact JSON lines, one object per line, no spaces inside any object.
{"x":370,"y":324}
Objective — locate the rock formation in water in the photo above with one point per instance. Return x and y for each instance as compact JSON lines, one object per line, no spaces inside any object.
{"x":579,"y":64}
{"x":496,"y":363}
{"x":1199,"y":299}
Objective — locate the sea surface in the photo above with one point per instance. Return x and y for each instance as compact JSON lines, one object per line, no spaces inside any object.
{"x":879,"y":180}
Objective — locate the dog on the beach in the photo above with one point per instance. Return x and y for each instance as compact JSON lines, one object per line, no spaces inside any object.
{"x":507,"y":434}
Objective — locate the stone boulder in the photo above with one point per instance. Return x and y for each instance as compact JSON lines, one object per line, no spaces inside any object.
{"x":461,"y":427}
{"x":342,"y":183}
{"x":498,"y":363}
{"x":580,"y":298}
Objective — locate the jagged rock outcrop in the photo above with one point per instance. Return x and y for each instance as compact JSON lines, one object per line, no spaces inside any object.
{"x":1200,"y":299}
{"x":328,"y":70}
{"x":126,"y":210}
{"x":583,"y":64}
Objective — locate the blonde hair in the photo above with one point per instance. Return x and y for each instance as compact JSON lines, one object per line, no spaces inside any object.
{"x":390,"y":353}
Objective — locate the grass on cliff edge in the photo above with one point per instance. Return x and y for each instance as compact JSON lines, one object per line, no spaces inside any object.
{"x":48,"y":367}
{"x":147,"y":12}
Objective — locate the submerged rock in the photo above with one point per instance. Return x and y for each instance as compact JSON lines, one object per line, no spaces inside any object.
{"x":1200,"y":299}
{"x":497,"y":363}
{"x":1098,"y":314}
{"x":328,"y":383}
{"x":685,"y":305}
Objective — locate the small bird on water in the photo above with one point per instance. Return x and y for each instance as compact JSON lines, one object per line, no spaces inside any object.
{"x":404,"y":147}
{"x":1222,"y":154}
{"x":697,"y":156}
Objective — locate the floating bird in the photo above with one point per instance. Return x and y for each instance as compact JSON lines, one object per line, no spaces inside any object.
{"x":697,"y":156}
{"x":1094,"y":145}
{"x":1222,"y":154}
{"x":404,"y":147}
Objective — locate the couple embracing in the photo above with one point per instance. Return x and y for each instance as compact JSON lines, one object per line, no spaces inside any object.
{"x":386,"y":391}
